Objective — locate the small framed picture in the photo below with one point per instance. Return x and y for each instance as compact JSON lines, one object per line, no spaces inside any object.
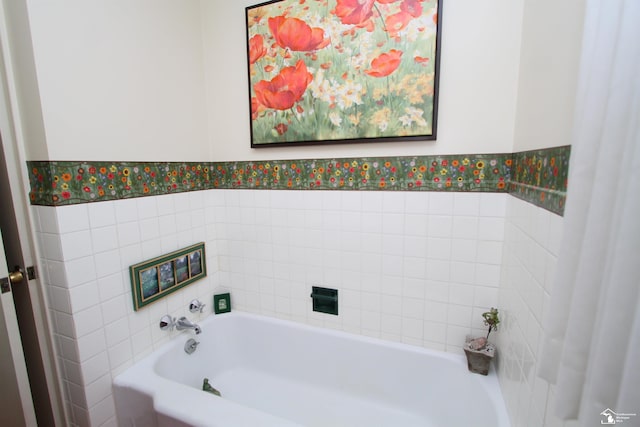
{"x":195,"y":263}
{"x":155,"y":278}
{"x":149,"y":282}
{"x":182,"y":269}
{"x":167,"y":275}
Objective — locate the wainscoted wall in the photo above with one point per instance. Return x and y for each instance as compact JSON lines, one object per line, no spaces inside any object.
{"x":414,"y":266}
{"x":417,"y":267}
{"x":502,"y":102}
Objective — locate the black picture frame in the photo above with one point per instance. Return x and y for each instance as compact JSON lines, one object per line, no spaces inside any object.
{"x":323,"y":89}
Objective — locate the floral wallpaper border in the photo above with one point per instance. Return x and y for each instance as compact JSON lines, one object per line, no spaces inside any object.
{"x":541,"y":177}
{"x":538,"y":176}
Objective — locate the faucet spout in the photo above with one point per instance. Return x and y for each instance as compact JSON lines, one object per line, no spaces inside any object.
{"x":183,"y":324}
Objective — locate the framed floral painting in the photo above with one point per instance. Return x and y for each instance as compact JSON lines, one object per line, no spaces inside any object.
{"x":343,"y":71}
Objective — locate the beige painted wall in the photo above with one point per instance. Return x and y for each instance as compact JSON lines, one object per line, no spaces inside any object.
{"x":550,"y":55}
{"x":120,"y":79}
{"x":24,"y":97}
{"x":162,"y":80}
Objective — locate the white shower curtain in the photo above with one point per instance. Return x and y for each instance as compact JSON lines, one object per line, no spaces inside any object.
{"x":591,"y":348}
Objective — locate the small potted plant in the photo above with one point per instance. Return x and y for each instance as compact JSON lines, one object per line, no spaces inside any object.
{"x":480,"y":351}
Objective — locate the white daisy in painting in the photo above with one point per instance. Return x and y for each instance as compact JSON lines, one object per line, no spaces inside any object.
{"x":335,"y":118}
{"x":414,"y":115}
{"x":348,"y":94}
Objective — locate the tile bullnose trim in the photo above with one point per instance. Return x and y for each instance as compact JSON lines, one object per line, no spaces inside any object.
{"x":550,"y":200}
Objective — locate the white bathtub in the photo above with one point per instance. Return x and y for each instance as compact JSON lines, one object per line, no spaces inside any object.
{"x":278,"y":373}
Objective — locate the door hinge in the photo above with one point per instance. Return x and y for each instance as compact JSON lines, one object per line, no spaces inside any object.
{"x":32,"y":273}
{"x":4,"y":285}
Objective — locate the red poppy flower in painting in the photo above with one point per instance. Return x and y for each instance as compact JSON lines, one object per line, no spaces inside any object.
{"x":412,"y":7}
{"x":256,"y":108}
{"x":295,"y":34}
{"x":256,"y":48}
{"x":385,"y":64}
{"x":409,"y":9}
{"x":281,"y":128}
{"x":285,"y":89}
{"x":397,"y":22}
{"x":354,"y":12}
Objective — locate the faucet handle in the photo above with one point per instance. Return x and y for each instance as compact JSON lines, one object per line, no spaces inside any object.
{"x":167,"y":323}
{"x":190,"y":346}
{"x":196,"y":306}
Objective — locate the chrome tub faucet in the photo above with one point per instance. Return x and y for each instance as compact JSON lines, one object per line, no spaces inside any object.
{"x":183,"y":324}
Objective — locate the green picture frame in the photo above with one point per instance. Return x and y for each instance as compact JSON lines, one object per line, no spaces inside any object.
{"x":156,"y":278}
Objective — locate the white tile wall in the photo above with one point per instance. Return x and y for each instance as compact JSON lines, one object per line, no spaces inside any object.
{"x":415,"y":267}
{"x":530,"y":253}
